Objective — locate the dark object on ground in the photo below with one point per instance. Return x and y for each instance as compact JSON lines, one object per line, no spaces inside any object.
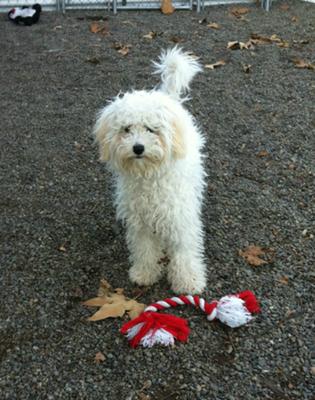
{"x":25,"y":15}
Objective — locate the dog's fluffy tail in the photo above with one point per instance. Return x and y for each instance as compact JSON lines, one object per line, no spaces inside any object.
{"x":177,"y":70}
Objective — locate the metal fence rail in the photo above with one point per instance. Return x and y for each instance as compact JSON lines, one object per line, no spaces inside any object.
{"x":49,"y":5}
{"x":117,"y":5}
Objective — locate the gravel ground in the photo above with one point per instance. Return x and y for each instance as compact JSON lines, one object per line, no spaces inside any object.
{"x":58,"y":229}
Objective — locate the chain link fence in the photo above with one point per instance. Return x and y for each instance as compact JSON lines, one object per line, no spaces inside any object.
{"x":49,"y":5}
{"x":117,"y":5}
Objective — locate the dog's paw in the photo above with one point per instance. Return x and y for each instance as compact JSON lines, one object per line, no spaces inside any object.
{"x":144,"y":276}
{"x":189,"y":285}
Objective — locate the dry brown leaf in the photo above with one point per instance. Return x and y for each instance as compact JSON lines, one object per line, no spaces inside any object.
{"x":167,"y":7}
{"x":151,"y":35}
{"x":303,"y":64}
{"x":284,"y":280}
{"x":284,"y":44}
{"x":108,"y":311}
{"x":122,"y":49}
{"x":247,"y":68}
{"x":275,"y":38}
{"x":263,"y":153}
{"x":99,"y":357}
{"x":259,"y":39}
{"x":219,"y":63}
{"x":214,"y":25}
{"x":280,"y":42}
{"x":104,"y":289}
{"x":176,"y":39}
{"x":252,"y":255}
{"x":239,"y":12}
{"x":99,"y":27}
{"x":134,"y":309}
{"x":236,"y":45}
{"x":126,"y":22}
{"x":303,"y":41}
{"x":95,"y":302}
{"x":113,"y":303}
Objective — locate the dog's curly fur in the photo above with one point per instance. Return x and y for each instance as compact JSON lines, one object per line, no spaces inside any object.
{"x":153,"y":146}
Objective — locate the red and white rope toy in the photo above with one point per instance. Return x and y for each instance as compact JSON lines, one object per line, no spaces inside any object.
{"x":152,"y":328}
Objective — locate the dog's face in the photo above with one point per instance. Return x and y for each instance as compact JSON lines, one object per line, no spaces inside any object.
{"x":139,"y":132}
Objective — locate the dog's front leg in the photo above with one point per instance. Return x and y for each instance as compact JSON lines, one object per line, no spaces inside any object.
{"x":187,"y":271}
{"x":145,"y":254}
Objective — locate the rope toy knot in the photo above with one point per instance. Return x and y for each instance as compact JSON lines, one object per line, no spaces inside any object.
{"x":152,"y":328}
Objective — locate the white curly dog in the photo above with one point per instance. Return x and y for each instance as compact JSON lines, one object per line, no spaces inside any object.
{"x":153,"y":146}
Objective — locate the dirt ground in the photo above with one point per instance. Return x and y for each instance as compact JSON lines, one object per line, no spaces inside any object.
{"x":58,"y":229}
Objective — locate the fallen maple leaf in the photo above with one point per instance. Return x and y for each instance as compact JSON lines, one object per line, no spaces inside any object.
{"x":239,"y":12}
{"x":113,"y":303}
{"x":236,"y":45}
{"x":259,"y":39}
{"x":251,"y":255}
{"x":99,"y":357}
{"x":214,"y":25}
{"x":99,"y":27}
{"x":303,"y":64}
{"x":219,"y":63}
{"x":122,"y":49}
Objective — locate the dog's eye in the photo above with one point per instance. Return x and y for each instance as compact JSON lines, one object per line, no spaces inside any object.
{"x":150,"y":129}
{"x":127,"y":129}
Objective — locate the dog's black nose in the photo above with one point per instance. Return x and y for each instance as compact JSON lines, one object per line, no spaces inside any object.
{"x":138,"y":149}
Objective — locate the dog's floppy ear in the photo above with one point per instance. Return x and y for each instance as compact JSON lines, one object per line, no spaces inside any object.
{"x":178,"y":140}
{"x":100,"y":132}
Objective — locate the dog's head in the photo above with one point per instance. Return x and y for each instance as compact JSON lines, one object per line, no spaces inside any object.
{"x":141,"y":131}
